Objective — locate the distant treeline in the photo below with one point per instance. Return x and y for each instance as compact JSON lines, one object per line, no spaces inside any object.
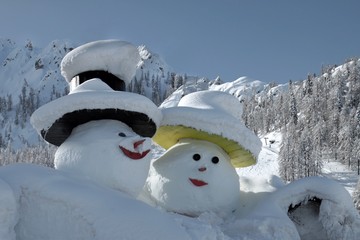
{"x":319,"y":119}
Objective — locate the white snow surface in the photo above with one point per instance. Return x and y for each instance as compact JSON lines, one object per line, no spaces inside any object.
{"x":42,"y":203}
{"x":114,"y":56}
{"x":93,"y":94}
{"x":54,"y":205}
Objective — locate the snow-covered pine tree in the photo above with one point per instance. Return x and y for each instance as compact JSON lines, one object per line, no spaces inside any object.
{"x":293,"y":105}
{"x":356,"y":196}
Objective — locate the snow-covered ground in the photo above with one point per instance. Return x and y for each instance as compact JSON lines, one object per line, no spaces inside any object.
{"x":342,"y":174}
{"x":259,"y":180}
{"x":72,"y":208}
{"x":267,"y":165}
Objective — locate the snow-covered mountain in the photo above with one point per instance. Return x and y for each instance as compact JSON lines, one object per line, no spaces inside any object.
{"x":29,"y":77}
{"x":242,"y":88}
{"x":31,"y":67}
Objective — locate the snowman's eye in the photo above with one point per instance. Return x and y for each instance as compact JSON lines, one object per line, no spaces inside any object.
{"x":121,"y":134}
{"x":215,"y":160}
{"x":196,"y":157}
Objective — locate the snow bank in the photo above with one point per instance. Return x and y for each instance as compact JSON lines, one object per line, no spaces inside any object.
{"x":337,"y":216}
{"x":8,"y":212}
{"x":54,"y":205}
{"x":47,"y":204}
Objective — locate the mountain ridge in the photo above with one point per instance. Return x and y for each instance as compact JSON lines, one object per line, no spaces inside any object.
{"x":30,"y":77}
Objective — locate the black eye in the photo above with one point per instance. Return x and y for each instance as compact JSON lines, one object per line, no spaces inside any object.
{"x":215,"y":160}
{"x":196,"y":157}
{"x":121,"y":134}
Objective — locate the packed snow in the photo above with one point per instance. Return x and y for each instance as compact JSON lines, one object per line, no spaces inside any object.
{"x":56,"y":205}
{"x":49,"y":204}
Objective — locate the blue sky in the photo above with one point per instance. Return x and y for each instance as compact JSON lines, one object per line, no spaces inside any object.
{"x":269,"y":40}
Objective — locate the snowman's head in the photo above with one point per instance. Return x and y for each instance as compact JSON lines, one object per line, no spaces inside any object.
{"x":194,"y":176}
{"x":107,"y":152}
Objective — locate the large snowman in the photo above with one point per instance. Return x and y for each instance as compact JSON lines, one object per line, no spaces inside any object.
{"x":99,"y":124}
{"x":104,"y":138}
{"x":205,"y":140}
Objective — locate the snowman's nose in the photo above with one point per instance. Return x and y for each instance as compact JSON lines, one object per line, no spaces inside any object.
{"x":202,"y":169}
{"x":137,"y":143}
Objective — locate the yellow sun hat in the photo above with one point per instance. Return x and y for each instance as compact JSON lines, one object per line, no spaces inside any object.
{"x":212,"y":116}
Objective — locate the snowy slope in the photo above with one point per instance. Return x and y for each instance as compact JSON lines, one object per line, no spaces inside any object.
{"x":267,"y":166}
{"x":27,"y":74}
{"x":39,"y":68}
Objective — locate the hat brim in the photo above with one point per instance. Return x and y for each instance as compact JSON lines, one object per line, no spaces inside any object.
{"x":55,"y":120}
{"x":62,"y":128}
{"x":168,"y":135}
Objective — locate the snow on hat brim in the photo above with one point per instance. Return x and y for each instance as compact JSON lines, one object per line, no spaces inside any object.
{"x":94,"y":100}
{"x":212,"y":116}
{"x":117,"y":57}
{"x":168,"y":136}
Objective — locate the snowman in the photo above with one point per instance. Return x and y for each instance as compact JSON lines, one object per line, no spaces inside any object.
{"x":205,"y":140}
{"x":103,"y":132}
{"x":106,"y":141}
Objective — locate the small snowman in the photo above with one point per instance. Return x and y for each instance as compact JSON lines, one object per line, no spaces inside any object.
{"x":205,"y":140}
{"x":103,"y":133}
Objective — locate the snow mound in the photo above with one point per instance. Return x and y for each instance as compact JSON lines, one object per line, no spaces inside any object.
{"x":54,"y":205}
{"x":336,"y":217}
{"x":8,"y":211}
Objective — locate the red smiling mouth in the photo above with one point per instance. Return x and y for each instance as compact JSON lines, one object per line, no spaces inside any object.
{"x":135,"y":155}
{"x":198,"y":182}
